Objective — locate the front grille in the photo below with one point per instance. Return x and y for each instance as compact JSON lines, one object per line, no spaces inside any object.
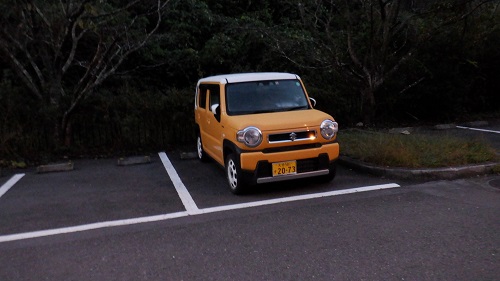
{"x":291,"y":148}
{"x":291,"y":136}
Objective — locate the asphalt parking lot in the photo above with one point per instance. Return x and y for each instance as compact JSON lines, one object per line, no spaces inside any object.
{"x":175,"y":219}
{"x":101,"y":193}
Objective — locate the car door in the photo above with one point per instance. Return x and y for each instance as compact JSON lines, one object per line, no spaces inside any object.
{"x":201,"y":111}
{"x":210,"y":126}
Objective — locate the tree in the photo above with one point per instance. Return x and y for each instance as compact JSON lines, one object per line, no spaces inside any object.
{"x":63,"y":50}
{"x":462,"y":61}
{"x":365,"y":42}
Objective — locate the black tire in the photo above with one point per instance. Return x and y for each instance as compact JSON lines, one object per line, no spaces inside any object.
{"x":234,"y":175}
{"x":202,"y":155}
{"x":331,"y":175}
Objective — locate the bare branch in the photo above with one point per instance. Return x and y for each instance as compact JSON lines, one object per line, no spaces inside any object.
{"x":42,"y":16}
{"x":103,"y":64}
{"x":14,"y":42}
{"x":23,"y":73}
{"x":412,"y":85}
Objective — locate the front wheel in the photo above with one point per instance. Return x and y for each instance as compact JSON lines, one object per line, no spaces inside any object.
{"x":331,"y":175}
{"x":234,"y":174}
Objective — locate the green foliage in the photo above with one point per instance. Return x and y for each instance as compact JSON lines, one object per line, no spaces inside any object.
{"x":456,"y":63}
{"x":147,"y":104}
{"x":496,"y":169}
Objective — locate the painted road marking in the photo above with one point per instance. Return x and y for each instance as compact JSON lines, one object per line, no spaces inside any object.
{"x":190,"y":205}
{"x":184,"y":194}
{"x":476,"y":129}
{"x":10,"y":183}
{"x":164,"y":217}
{"x":85,"y":227}
{"x":298,"y":198}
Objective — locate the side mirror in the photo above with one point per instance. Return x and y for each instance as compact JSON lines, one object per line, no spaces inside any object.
{"x":313,"y":102}
{"x":215,"y":108}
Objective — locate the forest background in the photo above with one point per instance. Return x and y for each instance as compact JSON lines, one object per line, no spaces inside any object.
{"x":93,"y":78}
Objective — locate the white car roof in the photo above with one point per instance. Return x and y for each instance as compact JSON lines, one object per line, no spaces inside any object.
{"x":246,"y":77}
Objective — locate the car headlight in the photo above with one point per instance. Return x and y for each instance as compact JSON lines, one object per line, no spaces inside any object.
{"x":328,"y":129}
{"x":250,"y":136}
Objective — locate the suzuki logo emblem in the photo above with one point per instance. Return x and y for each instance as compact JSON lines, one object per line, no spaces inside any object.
{"x":293,"y":136}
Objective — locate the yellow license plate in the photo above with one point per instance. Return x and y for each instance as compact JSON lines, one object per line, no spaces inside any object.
{"x":284,"y":168}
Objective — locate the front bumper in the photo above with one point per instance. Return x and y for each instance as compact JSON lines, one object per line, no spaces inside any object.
{"x":257,"y":166}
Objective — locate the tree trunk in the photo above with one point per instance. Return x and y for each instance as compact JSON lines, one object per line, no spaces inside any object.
{"x":62,"y":135}
{"x":368,"y":105}
{"x":68,"y":137}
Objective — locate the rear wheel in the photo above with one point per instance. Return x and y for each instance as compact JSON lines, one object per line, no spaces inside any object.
{"x":234,"y":174}
{"x":202,"y":156}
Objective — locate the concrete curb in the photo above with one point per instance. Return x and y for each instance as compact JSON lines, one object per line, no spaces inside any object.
{"x":64,"y":167}
{"x":61,"y":167}
{"x":453,"y":125}
{"x":133,"y":160}
{"x":189,"y":155}
{"x":445,"y":173}
{"x":445,"y":126}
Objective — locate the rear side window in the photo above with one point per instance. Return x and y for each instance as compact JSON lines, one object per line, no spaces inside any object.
{"x":214,"y":94}
{"x":202,"y":96}
{"x":214,"y":98}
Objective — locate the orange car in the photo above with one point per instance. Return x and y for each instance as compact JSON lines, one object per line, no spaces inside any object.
{"x":262,"y":127}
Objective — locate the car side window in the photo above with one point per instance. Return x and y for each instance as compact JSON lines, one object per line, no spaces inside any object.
{"x":202,"y":96}
{"x":213,"y":92}
{"x":214,"y":101}
{"x":214,"y":98}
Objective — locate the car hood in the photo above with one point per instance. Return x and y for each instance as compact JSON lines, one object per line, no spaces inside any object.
{"x":284,"y":120}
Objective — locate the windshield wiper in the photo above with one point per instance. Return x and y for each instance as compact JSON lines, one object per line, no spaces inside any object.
{"x":294,"y":108}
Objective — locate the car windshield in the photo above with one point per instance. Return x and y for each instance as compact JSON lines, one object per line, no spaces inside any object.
{"x":265,"y":96}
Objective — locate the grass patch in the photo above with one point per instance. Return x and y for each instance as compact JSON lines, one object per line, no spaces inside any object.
{"x":415,"y":150}
{"x":496,"y":169}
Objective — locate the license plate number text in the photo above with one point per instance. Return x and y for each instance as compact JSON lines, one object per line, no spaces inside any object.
{"x":284,"y":168}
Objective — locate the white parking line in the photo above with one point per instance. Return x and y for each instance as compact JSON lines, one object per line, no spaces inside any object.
{"x":476,"y":129}
{"x":10,"y":183}
{"x":189,"y":204}
{"x":297,"y":198}
{"x":186,"y":198}
{"x":85,"y":227}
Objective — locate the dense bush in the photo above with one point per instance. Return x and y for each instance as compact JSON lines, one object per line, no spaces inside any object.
{"x":147,"y":105}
